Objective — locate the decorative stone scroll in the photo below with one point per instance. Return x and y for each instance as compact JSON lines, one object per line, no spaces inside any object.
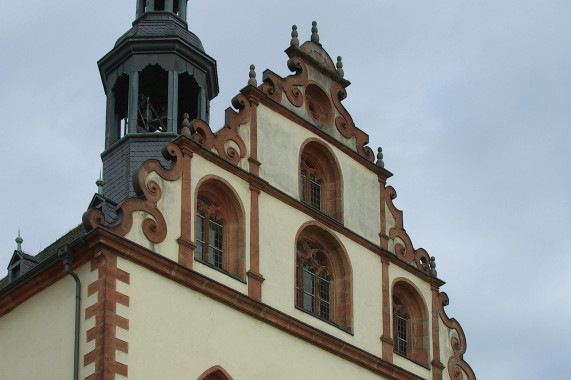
{"x":227,"y":139}
{"x":155,"y":228}
{"x":346,"y":126}
{"x":403,"y":245}
{"x":456,"y":364}
{"x":293,"y":85}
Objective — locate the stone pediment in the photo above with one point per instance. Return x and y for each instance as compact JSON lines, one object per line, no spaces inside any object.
{"x":315,"y":91}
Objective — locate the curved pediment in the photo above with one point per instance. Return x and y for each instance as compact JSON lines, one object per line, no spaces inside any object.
{"x":315,"y":92}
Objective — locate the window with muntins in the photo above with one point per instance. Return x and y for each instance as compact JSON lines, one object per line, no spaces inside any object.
{"x":310,"y":182}
{"x":219,"y":231}
{"x":401,"y":342}
{"x":410,"y":323}
{"x":209,"y":228}
{"x":313,"y":282}
{"x":320,"y":183}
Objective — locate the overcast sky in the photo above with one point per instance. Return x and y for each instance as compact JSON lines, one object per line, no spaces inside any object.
{"x":470,"y":101}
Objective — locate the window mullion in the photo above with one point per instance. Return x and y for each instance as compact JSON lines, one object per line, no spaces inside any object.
{"x":206,"y":231}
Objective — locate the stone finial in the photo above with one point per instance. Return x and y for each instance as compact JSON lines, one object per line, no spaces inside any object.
{"x":185,"y":130}
{"x":252,"y":81}
{"x":294,"y":40}
{"x":100,"y":182}
{"x":19,"y":242}
{"x":314,"y":35}
{"x":380,"y":158}
{"x":340,"y":71}
{"x":433,"y":272}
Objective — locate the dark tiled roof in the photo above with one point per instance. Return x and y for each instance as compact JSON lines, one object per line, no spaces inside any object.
{"x":52,"y":248}
{"x":155,"y":26}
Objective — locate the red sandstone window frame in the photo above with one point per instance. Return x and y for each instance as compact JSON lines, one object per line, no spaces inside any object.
{"x":408,"y":303}
{"x":319,"y":250}
{"x":311,"y":184}
{"x":320,"y":176}
{"x":219,"y":203}
{"x":210,"y":227}
{"x":314,"y":280}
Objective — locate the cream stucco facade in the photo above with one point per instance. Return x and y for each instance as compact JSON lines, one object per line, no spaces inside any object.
{"x":270,"y":249}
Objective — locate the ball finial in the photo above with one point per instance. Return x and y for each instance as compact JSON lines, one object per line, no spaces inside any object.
{"x":185,"y":130}
{"x":19,"y":241}
{"x":294,"y":40}
{"x":314,"y":35}
{"x":340,"y":71}
{"x":252,"y":74}
{"x":380,"y":162}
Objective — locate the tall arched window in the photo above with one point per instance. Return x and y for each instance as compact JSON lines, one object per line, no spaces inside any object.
{"x":323,"y":277}
{"x":410,"y":323}
{"x":219,"y":228}
{"x":314,"y":277}
{"x":311,"y":181}
{"x":320,"y":182}
{"x":210,"y":233}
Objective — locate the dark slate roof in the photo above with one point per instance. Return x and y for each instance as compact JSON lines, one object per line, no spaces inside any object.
{"x":52,"y":248}
{"x":160,"y":25}
{"x":24,"y":255}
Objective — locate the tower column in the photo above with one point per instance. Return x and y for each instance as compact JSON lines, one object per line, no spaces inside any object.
{"x":140,"y":8}
{"x":172,"y":102}
{"x":112,"y":132}
{"x":202,"y":109}
{"x":182,"y":9}
{"x":169,"y":5}
{"x":133,"y":101}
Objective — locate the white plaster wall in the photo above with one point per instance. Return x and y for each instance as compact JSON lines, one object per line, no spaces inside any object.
{"x":411,"y":366}
{"x":279,"y":145}
{"x":37,"y":337}
{"x":361,"y":198}
{"x":176,"y":333}
{"x":279,"y":142}
{"x":278,"y":226}
{"x":367,"y":297}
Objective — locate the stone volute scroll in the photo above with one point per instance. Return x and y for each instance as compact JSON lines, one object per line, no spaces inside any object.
{"x":403,"y":248}
{"x":219,"y":141}
{"x":457,"y":367}
{"x":149,"y":193}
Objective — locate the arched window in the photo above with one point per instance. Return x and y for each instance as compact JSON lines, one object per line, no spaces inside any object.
{"x":323,"y":277}
{"x":219,"y":228}
{"x":311,"y":181}
{"x":215,"y":373}
{"x":209,"y":233}
{"x":410,"y":323}
{"x":314,"y":277}
{"x":401,"y":333}
{"x":320,"y":183}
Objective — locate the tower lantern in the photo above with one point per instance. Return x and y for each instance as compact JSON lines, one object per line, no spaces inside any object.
{"x":156,"y":72}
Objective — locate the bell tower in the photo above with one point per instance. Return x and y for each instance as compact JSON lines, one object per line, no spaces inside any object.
{"x":156,"y":72}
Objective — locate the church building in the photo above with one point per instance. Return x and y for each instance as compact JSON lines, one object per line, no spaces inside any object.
{"x":268,"y":249}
